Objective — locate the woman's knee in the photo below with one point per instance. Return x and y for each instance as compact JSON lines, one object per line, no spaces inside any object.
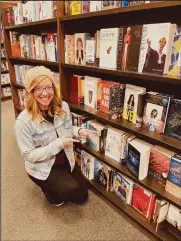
{"x":77,"y":194}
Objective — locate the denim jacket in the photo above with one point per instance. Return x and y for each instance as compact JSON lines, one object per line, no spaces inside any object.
{"x":39,"y":144}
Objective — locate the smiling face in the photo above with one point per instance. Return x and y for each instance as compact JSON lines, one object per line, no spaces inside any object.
{"x":44,"y":96}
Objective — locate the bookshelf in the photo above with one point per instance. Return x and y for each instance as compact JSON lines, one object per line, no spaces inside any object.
{"x":90,"y":22}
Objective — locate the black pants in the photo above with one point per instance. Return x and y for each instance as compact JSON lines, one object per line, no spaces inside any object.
{"x":64,"y":185}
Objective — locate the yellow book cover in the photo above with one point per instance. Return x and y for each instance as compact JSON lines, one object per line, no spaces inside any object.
{"x":76,"y":7}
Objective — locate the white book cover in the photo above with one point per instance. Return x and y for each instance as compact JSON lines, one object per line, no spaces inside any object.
{"x":131,"y":102}
{"x":50,"y":47}
{"x":37,"y":46}
{"x":6,"y":91}
{"x":174,"y":216}
{"x":80,"y":47}
{"x":108,"y":47}
{"x":138,"y":157}
{"x":87,"y":165}
{"x":91,"y":90}
{"x":154,"y":48}
{"x":162,"y":215}
{"x":113,"y":143}
{"x":95,"y":6}
{"x":90,"y":52}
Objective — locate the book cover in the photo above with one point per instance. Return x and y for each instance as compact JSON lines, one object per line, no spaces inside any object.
{"x":76,"y":7}
{"x":173,"y":183}
{"x":15,"y":45}
{"x":155,"y":111}
{"x":175,"y":58}
{"x":87,"y":165}
{"x":90,"y":52}
{"x":77,"y":89}
{"x":110,"y":4}
{"x":160,"y":211}
{"x":154,"y":48}
{"x":123,"y":187}
{"x":4,"y":65}
{"x":50,"y":47}
{"x":6,"y":91}
{"x":102,"y":173}
{"x":85,"y":6}
{"x":131,"y":102}
{"x":174,"y":216}
{"x":80,"y":47}
{"x":173,"y":124}
{"x":95,"y":6}
{"x":68,"y":7}
{"x":108,"y":47}
{"x":133,"y":3}
{"x":159,"y":163}
{"x":97,"y":39}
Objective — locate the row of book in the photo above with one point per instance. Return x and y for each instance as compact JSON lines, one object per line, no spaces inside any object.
{"x":153,"y":111}
{"x":6,"y":92}
{"x":4,"y":65}
{"x":149,"y":48}
{"x":78,"y":7}
{"x":141,"y":158}
{"x":153,"y":208}
{"x":5,"y":79}
{"x":43,"y":47}
{"x":3,"y":51}
{"x":31,"y":11}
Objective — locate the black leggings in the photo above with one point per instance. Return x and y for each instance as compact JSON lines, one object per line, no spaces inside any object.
{"x":64,"y":185}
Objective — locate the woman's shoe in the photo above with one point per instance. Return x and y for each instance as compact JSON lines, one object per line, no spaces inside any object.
{"x":58,"y":204}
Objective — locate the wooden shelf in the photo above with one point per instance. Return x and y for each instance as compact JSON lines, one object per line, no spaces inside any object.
{"x":154,"y":138}
{"x":25,"y":25}
{"x":34,"y":61}
{"x":144,"y":76}
{"x":19,"y":86}
{"x":3,"y":58}
{"x":6,"y":98}
{"x":5,"y":85}
{"x":141,"y":7}
{"x":5,"y":72}
{"x":148,"y":183}
{"x":131,"y":212}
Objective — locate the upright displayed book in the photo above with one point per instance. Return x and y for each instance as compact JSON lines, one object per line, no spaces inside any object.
{"x":87,"y":165}
{"x":77,"y":89}
{"x":69,"y":49}
{"x":90,"y":52}
{"x":138,"y":158}
{"x":155,"y":48}
{"x":92,"y":90}
{"x":95,"y":6}
{"x":108,"y":47}
{"x":76,"y":7}
{"x":159,"y":163}
{"x":155,"y":111}
{"x":110,"y":4}
{"x":132,"y":95}
{"x":123,"y":187}
{"x":85,"y":6}
{"x":143,"y":201}
{"x":175,"y":59}
{"x":173,"y":184}
{"x":174,"y":218}
{"x":80,"y":47}
{"x":173,"y":124}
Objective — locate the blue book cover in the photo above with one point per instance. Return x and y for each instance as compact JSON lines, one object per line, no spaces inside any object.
{"x":133,"y":160}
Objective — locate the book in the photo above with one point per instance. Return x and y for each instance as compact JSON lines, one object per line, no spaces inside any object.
{"x":108,"y":47}
{"x":114,"y":143}
{"x":173,"y":183}
{"x":4,"y":65}
{"x":155,"y":48}
{"x":130,"y":108}
{"x":92,"y":92}
{"x":159,"y":163}
{"x":5,"y":79}
{"x":138,"y":158}
{"x":85,"y":6}
{"x":97,"y":39}
{"x":95,"y":6}
{"x":68,"y":7}
{"x":173,"y":124}
{"x":124,"y":3}
{"x":160,"y":212}
{"x":50,"y":47}
{"x":6,"y":91}
{"x":123,"y":187}
{"x":175,"y":58}
{"x":80,"y":47}
{"x":174,"y":217}
{"x":102,"y":174}
{"x":90,"y":52}
{"x":110,"y":4}
{"x":155,"y":111}
{"x":15,"y":44}
{"x":133,"y":3}
{"x":87,"y":165}
{"x":77,"y":89}
{"x":125,"y":151}
{"x":143,"y":201}
{"x":76,"y":7}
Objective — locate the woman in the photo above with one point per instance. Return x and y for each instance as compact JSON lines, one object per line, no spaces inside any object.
{"x":44,"y":135}
{"x":79,"y":51}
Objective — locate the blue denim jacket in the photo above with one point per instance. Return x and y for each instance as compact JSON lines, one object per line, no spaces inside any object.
{"x":38,"y":143}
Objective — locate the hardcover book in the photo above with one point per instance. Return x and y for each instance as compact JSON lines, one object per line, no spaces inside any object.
{"x":173,"y":184}
{"x":130,"y":110}
{"x":173,"y":125}
{"x":175,"y":58}
{"x":85,"y":6}
{"x":123,"y":187}
{"x":80,"y":47}
{"x":69,"y":49}
{"x":155,"y":48}
{"x":155,"y":111}
{"x":160,"y":211}
{"x":76,"y":7}
{"x":77,"y":89}
{"x":174,"y":217}
{"x":87,"y":165}
{"x":90,"y":52}
{"x":138,"y":158}
{"x":95,"y":6}
{"x":143,"y":201}
{"x":159,"y":163}
{"x":108,"y":47}
{"x":110,"y":4}
{"x":102,"y":174}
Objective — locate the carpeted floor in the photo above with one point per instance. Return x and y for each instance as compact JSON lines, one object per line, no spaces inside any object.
{"x":26,"y":215}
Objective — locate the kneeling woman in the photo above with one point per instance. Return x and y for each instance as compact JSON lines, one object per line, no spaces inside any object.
{"x":44,"y":134}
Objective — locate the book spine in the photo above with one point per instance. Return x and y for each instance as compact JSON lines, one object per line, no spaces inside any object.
{"x":120,"y":47}
{"x":143,"y":47}
{"x":140,"y":110}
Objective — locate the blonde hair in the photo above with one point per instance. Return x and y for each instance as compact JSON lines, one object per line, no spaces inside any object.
{"x":55,"y":106}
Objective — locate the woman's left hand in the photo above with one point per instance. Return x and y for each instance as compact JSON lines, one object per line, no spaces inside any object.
{"x":83,"y":133}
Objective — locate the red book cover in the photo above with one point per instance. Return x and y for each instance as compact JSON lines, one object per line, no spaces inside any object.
{"x":141,"y":200}
{"x":74,"y":89}
{"x":105,"y":96}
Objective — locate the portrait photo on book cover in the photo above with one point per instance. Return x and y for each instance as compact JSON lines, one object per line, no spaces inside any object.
{"x":79,"y":51}
{"x":152,"y":118}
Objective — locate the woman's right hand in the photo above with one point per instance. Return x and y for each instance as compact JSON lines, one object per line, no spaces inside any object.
{"x":67,"y":142}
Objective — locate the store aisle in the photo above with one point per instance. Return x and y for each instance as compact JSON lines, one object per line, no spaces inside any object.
{"x":26,"y":215}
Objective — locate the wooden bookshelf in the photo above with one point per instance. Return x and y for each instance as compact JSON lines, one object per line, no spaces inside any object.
{"x":3,"y":98}
{"x":5,"y":85}
{"x":155,"y":12}
{"x":5,"y":72}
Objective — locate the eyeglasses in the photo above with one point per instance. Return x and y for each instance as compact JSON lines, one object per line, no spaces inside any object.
{"x":39,"y":90}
